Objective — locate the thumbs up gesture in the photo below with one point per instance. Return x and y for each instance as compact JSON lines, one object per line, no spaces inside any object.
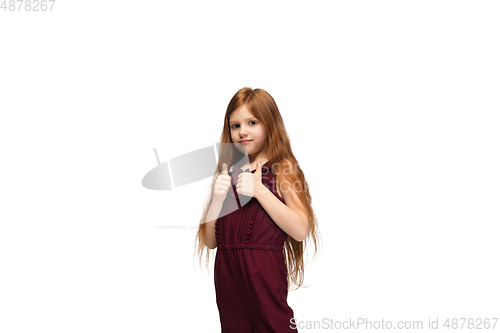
{"x":248,"y":183}
{"x":222,"y":184}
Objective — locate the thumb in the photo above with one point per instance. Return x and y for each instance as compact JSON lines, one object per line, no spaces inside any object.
{"x":258,"y":168}
{"x":224,"y":169}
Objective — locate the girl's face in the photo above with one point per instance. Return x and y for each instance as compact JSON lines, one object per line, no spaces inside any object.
{"x":244,"y":126}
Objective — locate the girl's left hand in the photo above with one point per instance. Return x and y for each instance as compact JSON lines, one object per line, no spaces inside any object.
{"x":248,"y":182}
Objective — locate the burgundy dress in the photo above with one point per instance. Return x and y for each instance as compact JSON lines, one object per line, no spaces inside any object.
{"x":250,"y":271}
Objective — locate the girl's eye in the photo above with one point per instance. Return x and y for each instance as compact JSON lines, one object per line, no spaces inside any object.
{"x":233,"y":126}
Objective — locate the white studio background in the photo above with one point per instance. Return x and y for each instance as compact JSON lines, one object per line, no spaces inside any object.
{"x":391,"y":107}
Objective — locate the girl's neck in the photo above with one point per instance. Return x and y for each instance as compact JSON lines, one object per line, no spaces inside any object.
{"x":253,"y":162}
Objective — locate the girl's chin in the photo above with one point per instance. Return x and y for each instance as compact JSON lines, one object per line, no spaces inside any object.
{"x":243,"y":150}
{"x":246,"y":150}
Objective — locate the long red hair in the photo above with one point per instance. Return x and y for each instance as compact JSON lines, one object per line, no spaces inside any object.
{"x":279,"y":152}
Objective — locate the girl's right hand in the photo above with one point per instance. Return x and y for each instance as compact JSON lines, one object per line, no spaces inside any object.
{"x":222,"y":184}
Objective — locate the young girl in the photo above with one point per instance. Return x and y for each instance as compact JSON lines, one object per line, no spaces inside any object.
{"x":259,"y":217}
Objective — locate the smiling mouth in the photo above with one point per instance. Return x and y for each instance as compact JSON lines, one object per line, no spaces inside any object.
{"x":245,"y":141}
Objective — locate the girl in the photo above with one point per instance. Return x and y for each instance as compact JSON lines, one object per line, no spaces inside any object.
{"x":261,"y":227}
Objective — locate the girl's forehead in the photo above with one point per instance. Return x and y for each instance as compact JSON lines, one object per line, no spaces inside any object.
{"x":241,"y":110}
{"x":241,"y":116}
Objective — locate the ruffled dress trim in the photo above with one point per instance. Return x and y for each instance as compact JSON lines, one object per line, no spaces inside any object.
{"x":217,"y":230}
{"x":251,"y":223}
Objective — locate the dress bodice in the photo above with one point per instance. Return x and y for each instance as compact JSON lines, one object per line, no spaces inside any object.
{"x":243,"y":222}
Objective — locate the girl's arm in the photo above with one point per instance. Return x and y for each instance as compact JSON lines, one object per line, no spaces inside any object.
{"x":213,"y":213}
{"x":291,"y":218}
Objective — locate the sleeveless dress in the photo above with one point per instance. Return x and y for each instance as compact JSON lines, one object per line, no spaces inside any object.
{"x":250,"y":273}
